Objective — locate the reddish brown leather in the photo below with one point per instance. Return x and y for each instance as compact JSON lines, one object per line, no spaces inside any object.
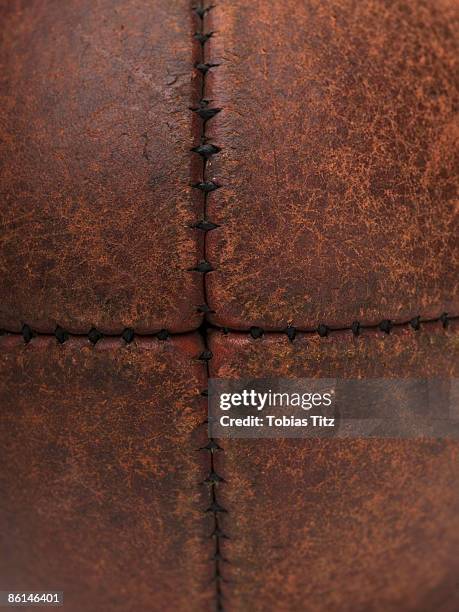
{"x":338,"y":170}
{"x":339,"y":162}
{"x":95,"y":149}
{"x":340,"y":526}
{"x":100,"y":493}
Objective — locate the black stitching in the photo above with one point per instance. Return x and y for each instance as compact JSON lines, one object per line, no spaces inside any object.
{"x":213,"y":481}
{"x":203,"y":38}
{"x":386,"y":326}
{"x":203,"y":103}
{"x":219,"y":533}
{"x":94,"y":336}
{"x":355,"y":328}
{"x":256,"y":332}
{"x":322,"y":330}
{"x":217,"y":577}
{"x":207,"y":113}
{"x":211,"y":446}
{"x":61,"y":335}
{"x":206,"y":186}
{"x":205,"y":226}
{"x":128,"y":335}
{"x":203,"y":267}
{"x":291,"y":333}
{"x":201,"y":11}
{"x":213,"y":478}
{"x":206,"y":150}
{"x":27,"y":333}
{"x":204,"y":68}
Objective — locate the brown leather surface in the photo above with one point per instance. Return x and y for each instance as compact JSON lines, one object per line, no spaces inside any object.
{"x":99,"y":479}
{"x":339,"y":161}
{"x":336,"y":154}
{"x":334,"y":525}
{"x":95,"y":184}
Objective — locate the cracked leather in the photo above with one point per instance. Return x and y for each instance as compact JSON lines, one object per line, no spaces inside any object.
{"x":339,"y":162}
{"x":340,"y":526}
{"x":338,"y":173}
{"x":100,"y":474}
{"x":95,"y":183}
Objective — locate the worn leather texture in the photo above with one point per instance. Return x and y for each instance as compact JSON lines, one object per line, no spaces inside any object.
{"x":100,"y":474}
{"x":340,"y":525}
{"x":339,"y":161}
{"x":95,"y":187}
{"x":314,"y":145}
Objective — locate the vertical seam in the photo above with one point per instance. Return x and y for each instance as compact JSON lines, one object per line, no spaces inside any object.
{"x":205,"y":185}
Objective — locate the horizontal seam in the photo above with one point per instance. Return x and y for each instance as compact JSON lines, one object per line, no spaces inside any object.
{"x":322,"y":330}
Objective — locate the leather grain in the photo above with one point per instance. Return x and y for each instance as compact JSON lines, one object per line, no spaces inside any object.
{"x":339,"y":162}
{"x":95,"y":138}
{"x":99,"y":479}
{"x":336,"y":525}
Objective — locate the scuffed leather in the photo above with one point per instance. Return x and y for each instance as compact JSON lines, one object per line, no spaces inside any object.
{"x":95,"y":183}
{"x":340,"y":526}
{"x":339,"y":161}
{"x":100,"y":476}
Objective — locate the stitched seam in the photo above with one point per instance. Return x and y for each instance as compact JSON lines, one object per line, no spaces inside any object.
{"x":214,"y":480}
{"x":129,"y":335}
{"x":205,"y":149}
{"x":93,"y":336}
{"x":323,"y":330}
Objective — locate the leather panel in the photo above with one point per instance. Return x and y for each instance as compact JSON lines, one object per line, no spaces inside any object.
{"x":340,"y":525}
{"x":338,"y":165}
{"x":100,"y":473}
{"x":95,"y":185}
